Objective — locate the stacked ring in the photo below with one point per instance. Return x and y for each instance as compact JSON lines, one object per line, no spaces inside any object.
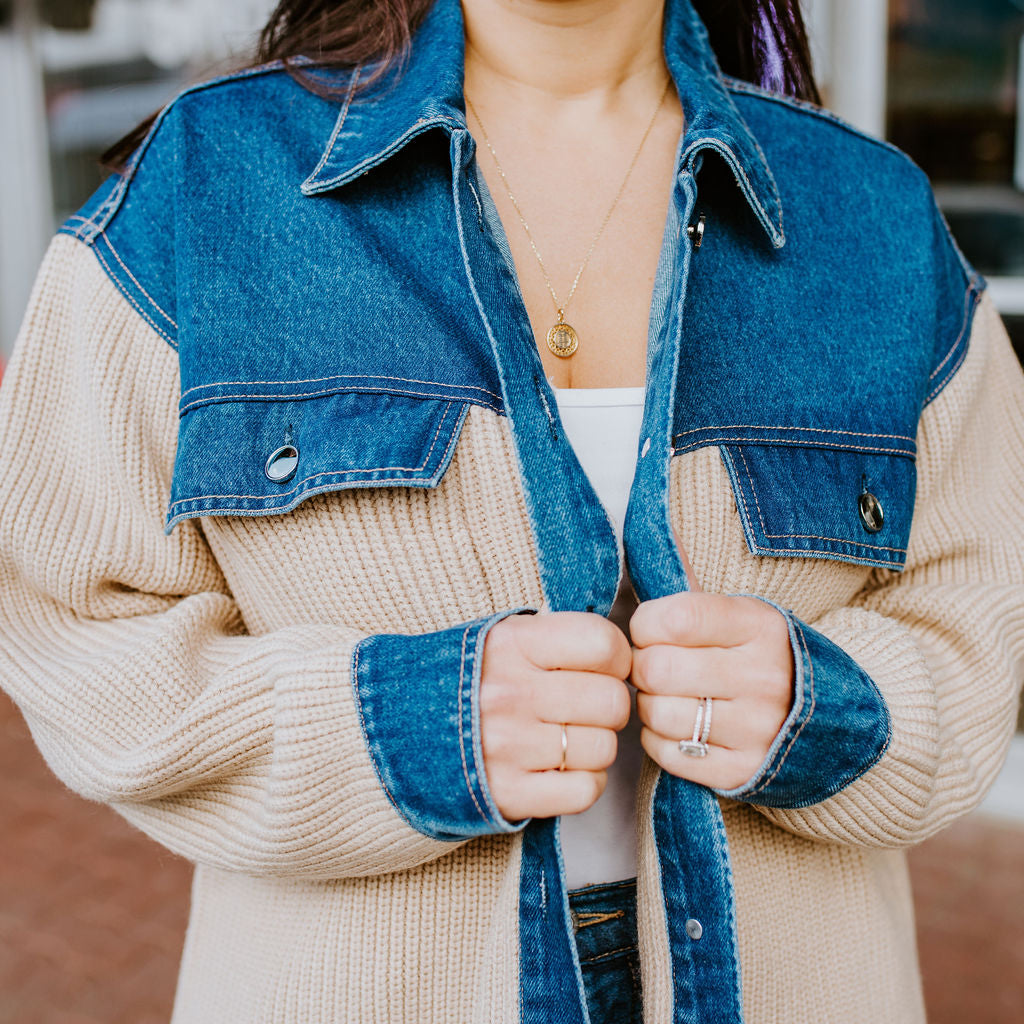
{"x":565,"y":747}
{"x":698,"y":745}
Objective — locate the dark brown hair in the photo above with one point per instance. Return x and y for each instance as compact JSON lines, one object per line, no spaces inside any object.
{"x":759,"y":41}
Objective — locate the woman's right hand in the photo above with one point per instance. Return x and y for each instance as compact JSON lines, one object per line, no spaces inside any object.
{"x":540,"y":671}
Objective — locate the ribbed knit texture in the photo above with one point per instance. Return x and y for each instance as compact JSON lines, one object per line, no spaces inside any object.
{"x":199,"y":684}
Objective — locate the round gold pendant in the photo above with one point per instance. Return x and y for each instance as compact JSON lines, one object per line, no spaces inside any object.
{"x":563,"y":340}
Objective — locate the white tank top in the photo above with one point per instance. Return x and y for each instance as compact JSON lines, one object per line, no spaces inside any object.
{"x":603,"y":426}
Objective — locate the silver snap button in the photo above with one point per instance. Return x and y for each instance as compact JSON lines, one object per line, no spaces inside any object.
{"x":871,"y":513}
{"x":694,"y":929}
{"x":696,"y":232}
{"x":282,"y":464}
{"x":646,"y":448}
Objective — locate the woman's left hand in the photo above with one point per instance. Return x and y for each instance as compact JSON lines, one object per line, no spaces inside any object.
{"x":735,"y":650}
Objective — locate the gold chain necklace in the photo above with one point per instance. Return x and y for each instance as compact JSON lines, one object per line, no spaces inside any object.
{"x":562,"y":338}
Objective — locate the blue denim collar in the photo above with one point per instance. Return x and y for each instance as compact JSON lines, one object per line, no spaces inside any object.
{"x":428,"y":94}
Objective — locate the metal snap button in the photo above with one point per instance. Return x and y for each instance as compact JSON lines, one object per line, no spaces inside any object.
{"x":871,"y":512}
{"x":282,"y":464}
{"x":694,"y":929}
{"x":696,"y":232}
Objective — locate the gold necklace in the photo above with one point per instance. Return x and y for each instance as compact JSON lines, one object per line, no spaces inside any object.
{"x":562,"y":338}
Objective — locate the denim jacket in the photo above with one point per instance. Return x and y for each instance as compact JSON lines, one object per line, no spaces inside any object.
{"x":372,"y":286}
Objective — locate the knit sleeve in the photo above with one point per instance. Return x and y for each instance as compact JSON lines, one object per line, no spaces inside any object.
{"x":943,"y":641}
{"x":132,"y":664}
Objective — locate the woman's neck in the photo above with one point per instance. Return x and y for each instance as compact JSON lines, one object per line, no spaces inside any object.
{"x":564,"y":58}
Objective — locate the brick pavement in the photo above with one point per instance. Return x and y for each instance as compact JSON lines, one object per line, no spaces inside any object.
{"x":92,"y":913}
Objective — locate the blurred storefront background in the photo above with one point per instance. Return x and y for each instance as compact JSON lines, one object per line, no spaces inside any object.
{"x":76,"y":75}
{"x":91,"y":913}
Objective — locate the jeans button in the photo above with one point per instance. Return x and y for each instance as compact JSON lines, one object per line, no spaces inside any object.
{"x":282,"y":464}
{"x":694,"y":929}
{"x":871,"y":513}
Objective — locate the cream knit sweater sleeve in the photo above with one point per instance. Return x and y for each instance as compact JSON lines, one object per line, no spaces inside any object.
{"x":943,"y":640}
{"x":123,"y":647}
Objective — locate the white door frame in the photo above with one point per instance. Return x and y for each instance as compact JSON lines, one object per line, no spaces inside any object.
{"x":26,"y":197}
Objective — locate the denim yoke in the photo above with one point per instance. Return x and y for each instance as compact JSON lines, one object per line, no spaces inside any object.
{"x":805,"y":350}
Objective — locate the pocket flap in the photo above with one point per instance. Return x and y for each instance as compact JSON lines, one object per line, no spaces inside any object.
{"x":259,"y":457}
{"x":844,"y":501}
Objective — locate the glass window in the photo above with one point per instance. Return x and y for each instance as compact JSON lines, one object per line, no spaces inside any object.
{"x":954,"y":76}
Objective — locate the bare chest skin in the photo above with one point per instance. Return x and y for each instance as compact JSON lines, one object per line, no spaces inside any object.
{"x":564,"y":190}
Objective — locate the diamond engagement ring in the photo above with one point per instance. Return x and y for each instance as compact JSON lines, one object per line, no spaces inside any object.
{"x":698,"y":745}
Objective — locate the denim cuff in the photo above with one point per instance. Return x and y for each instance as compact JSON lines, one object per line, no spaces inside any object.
{"x":838,"y":727}
{"x":419,"y":707}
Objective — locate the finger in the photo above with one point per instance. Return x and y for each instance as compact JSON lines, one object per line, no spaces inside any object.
{"x":578,"y":641}
{"x":580,"y":698}
{"x":675,"y":718}
{"x":700,"y":620}
{"x":673,"y":671}
{"x":539,"y":748}
{"x":547,"y":794}
{"x":729,"y":672}
{"x":742,"y":725}
{"x":722,"y":768}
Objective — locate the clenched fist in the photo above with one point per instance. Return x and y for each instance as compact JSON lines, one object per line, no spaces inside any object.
{"x":541,"y":672}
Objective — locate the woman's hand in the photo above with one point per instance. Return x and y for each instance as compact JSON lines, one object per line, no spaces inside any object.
{"x":540,"y":671}
{"x":735,"y":650}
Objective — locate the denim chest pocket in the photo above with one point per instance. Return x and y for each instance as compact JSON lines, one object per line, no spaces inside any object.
{"x":265,"y":453}
{"x":824,"y":494}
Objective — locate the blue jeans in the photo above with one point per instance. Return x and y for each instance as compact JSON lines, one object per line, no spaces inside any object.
{"x":604,"y":920}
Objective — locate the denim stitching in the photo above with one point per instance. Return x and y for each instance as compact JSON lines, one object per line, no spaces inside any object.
{"x":589,"y":918}
{"x":963,"y":327}
{"x":748,"y":88}
{"x":833,"y":540}
{"x":335,"y":473}
{"x":832,"y":445}
{"x":479,"y":205}
{"x":761,"y":549}
{"x":742,"y":489}
{"x":156,"y":305}
{"x":366,"y":737}
{"x":598,"y":957}
{"x":322,"y":380}
{"x":803,"y":536}
{"x":343,"y":389}
{"x":132,"y":301}
{"x":802,"y":430}
{"x":377,"y":158}
{"x":767,"y":168}
{"x":91,"y":226}
{"x":724,"y":82}
{"x":956,"y":366}
{"x":736,"y":486}
{"x":848,"y":777}
{"x":337,"y":126}
{"x":741,"y":176}
{"x":810,"y":711}
{"x":462,"y":741}
{"x":971,"y":297}
{"x":878,"y":562}
{"x":323,"y":485}
{"x":723,"y":859}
